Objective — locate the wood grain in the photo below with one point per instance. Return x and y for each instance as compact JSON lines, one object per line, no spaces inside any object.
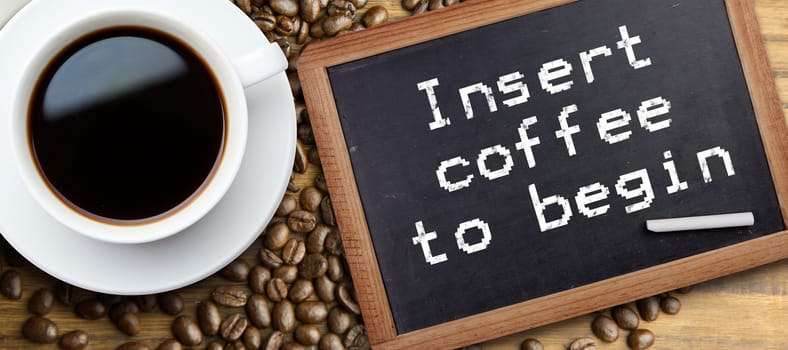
{"x":748,"y":310}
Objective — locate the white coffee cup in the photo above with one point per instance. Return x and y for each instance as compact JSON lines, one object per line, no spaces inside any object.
{"x":262,"y":60}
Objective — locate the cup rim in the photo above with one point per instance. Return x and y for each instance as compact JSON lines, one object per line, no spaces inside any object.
{"x":203,"y":199}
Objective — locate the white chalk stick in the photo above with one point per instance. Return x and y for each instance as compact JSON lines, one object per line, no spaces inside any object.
{"x":705,"y":222}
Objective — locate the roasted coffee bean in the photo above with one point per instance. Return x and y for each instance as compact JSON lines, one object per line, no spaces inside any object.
{"x":294,"y":346}
{"x":359,"y":3}
{"x":74,"y":340}
{"x":187,"y":331}
{"x":305,"y":134}
{"x":170,"y":344}
{"x":307,"y":334}
{"x":435,"y":4}
{"x":252,"y":338}
{"x":325,"y":289}
{"x":330,"y":341}
{"x":315,"y":242}
{"x":237,"y":270}
{"x":422,"y":7}
{"x":265,"y":21}
{"x":583,"y":344}
{"x":333,"y":243}
{"x":685,"y":290}
{"x":292,"y":186}
{"x":335,"y":270}
{"x":276,"y":236}
{"x":258,"y":277}
{"x":300,"y":162}
{"x":146,"y":303}
{"x":356,"y":27}
{"x":283,"y":43}
{"x":313,"y":156}
{"x":284,"y":7}
{"x":310,"y":10}
{"x":531,"y":344}
{"x":300,"y":290}
{"x":292,"y":77}
{"x":283,"y":316}
{"x":310,"y":198}
{"x":41,"y":302}
{"x":316,"y":30}
{"x":235,"y":345}
{"x":244,"y":5}
{"x":230,"y":296}
{"x":287,"y":205}
{"x":625,"y":317}
{"x":320,"y":183}
{"x":313,"y":266}
{"x":285,"y":26}
{"x":11,"y":284}
{"x":129,"y":323}
{"x":40,"y":329}
{"x":648,"y":308}
{"x":410,"y":4}
{"x":209,"y":317}
{"x":327,"y":211}
{"x":670,"y":305}
{"x":374,"y":16}
{"x":122,"y":307}
{"x":67,"y":294}
{"x":356,"y":338}
{"x":274,"y":341}
{"x":640,"y":339}
{"x":109,"y":299}
{"x":345,"y":298}
{"x":233,"y":327}
{"x":339,"y":320}
{"x":171,"y":303}
{"x":276,"y":289}
{"x":287,"y":273}
{"x":133,"y":345}
{"x":301,"y":221}
{"x":311,"y":312}
{"x":605,"y":328}
{"x":293,"y":252}
{"x":258,"y":311}
{"x":335,"y":23}
{"x":214,"y":345}
{"x":269,"y":259}
{"x":91,"y":309}
{"x":341,"y":7}
{"x":302,"y":36}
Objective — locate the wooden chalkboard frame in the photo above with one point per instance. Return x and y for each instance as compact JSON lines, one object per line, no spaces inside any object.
{"x":350,"y":216}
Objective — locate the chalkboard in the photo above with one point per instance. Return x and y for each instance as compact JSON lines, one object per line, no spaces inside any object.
{"x":518,"y":159}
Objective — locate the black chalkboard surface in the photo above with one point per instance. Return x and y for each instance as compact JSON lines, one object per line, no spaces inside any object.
{"x":522,"y":158}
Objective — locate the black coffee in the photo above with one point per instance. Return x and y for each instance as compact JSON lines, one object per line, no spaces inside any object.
{"x":127,"y":124}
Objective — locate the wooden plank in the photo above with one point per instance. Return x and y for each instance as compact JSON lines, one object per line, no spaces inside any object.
{"x":743,"y":311}
{"x":359,"y":252}
{"x":773,"y":16}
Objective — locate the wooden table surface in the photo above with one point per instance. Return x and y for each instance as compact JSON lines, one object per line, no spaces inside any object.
{"x":748,"y":310}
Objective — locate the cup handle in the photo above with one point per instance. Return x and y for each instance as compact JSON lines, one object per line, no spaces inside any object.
{"x":260,"y":63}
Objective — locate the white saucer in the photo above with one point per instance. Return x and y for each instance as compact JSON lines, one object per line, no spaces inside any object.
{"x":188,"y":256}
